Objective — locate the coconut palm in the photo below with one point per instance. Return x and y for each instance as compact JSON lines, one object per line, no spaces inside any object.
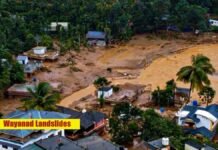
{"x":197,"y":73}
{"x":41,"y":98}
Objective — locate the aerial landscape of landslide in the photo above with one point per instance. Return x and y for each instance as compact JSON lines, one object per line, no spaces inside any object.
{"x":134,"y":72}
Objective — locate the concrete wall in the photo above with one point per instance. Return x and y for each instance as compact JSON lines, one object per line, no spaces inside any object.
{"x":105,"y":94}
{"x":39,"y":51}
{"x":24,"y":62}
{"x":100,"y":43}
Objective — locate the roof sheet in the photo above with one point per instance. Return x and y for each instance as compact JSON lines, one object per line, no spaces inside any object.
{"x":22,"y":57}
{"x":97,"y":143}
{"x":87,"y":119}
{"x":95,"y":35}
{"x":213,"y":109}
{"x":203,"y":131}
{"x":31,"y":114}
{"x":183,"y":90}
{"x":206,"y":114}
{"x":210,"y":111}
{"x":32,"y":147}
{"x":58,"y":142}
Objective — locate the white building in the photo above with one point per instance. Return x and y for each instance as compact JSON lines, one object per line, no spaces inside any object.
{"x":22,"y":59}
{"x":39,"y":50}
{"x":18,"y":139}
{"x":54,"y":25}
{"x":213,"y":22}
{"x":199,"y":120}
{"x":105,"y":92}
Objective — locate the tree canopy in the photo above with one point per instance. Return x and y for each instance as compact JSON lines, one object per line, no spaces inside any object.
{"x":22,"y":21}
{"x":197,"y":73}
{"x":42,"y":98}
{"x":10,"y":70}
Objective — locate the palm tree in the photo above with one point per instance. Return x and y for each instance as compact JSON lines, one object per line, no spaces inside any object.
{"x":197,"y":73}
{"x":41,"y":98}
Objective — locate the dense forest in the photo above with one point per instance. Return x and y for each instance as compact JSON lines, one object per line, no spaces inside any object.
{"x":25,"y":23}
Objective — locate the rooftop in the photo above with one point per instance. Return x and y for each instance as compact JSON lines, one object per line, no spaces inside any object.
{"x":95,"y":142}
{"x":54,"y":143}
{"x":211,"y":111}
{"x":184,"y":91}
{"x":22,"y":57}
{"x":190,"y":112}
{"x":31,"y":114}
{"x":156,"y":144}
{"x":87,"y":119}
{"x":61,"y":143}
{"x":20,"y":89}
{"x":95,"y":35}
{"x":201,"y":131}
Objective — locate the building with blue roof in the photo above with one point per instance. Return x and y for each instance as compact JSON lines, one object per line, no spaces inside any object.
{"x":16,"y":139}
{"x":199,"y":121}
{"x":96,"y":38}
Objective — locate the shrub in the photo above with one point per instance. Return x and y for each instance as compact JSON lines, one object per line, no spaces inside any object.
{"x":116,"y":88}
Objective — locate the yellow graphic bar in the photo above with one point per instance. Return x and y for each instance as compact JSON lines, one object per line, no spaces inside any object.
{"x":39,"y":124}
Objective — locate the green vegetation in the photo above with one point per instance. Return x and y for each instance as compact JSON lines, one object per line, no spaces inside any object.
{"x":10,"y":70}
{"x":164,"y":97}
{"x":101,"y":101}
{"x":207,"y":94}
{"x":26,"y":23}
{"x":125,"y":123}
{"x":128,"y":121}
{"x":115,"y":88}
{"x":197,"y":73}
{"x":101,"y":82}
{"x":155,"y":126}
{"x":42,"y":98}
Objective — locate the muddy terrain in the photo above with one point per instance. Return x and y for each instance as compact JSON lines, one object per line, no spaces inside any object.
{"x":146,"y":59}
